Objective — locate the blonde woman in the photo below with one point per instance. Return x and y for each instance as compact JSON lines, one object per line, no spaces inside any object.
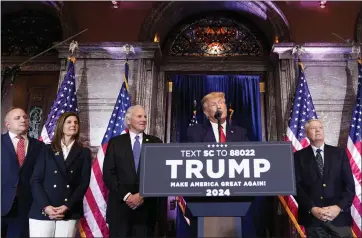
{"x":59,"y":181}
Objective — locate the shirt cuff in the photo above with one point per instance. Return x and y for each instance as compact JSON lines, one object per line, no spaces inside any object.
{"x":125,"y":197}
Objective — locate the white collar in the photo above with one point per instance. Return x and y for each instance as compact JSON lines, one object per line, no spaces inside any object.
{"x":133,"y":135}
{"x":13,"y":136}
{"x":316,"y":148}
{"x":222,"y":124}
{"x":65,"y":146}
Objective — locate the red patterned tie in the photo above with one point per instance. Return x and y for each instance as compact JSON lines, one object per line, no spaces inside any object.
{"x":223,"y":137}
{"x":20,"y":150}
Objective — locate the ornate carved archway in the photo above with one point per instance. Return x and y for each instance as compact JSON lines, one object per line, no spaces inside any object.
{"x":265,"y":15}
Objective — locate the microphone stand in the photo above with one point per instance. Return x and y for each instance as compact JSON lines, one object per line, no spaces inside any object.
{"x":217,"y":116}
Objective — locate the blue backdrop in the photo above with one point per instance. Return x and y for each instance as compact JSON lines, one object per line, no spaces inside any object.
{"x":242,"y":93}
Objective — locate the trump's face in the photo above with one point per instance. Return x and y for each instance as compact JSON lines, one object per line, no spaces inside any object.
{"x":212,"y":105}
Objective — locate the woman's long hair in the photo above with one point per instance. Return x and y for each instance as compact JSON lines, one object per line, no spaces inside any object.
{"x":58,"y":133}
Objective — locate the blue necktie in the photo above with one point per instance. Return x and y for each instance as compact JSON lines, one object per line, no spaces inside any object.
{"x":136,"y":151}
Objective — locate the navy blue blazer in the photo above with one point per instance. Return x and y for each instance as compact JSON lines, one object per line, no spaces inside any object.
{"x":204,"y":133}
{"x":15,"y":180}
{"x":58,"y":182}
{"x":335,"y":188}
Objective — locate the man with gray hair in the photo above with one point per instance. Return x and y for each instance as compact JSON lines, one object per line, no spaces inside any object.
{"x":129,"y":214}
{"x":325,"y":186}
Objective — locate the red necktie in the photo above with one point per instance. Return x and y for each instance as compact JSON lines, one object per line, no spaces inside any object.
{"x":20,"y":150}
{"x":223,"y":137}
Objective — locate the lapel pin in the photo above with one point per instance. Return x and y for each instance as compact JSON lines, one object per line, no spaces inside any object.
{"x":57,"y":153}
{"x":232,"y":131}
{"x":146,"y":140}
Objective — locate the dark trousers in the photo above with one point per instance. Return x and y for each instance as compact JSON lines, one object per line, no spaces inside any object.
{"x":15,"y":224}
{"x":328,"y":230}
{"x":136,"y":224}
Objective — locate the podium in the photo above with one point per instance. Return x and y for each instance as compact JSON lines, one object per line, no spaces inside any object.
{"x":218,"y":180}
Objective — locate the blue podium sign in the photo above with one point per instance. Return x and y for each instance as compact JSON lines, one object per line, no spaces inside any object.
{"x":217,"y":169}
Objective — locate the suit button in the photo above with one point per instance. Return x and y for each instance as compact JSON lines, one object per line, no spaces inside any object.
{"x":55,"y":186}
{"x":67,"y":186}
{"x":66,"y":200}
{"x":55,"y":171}
{"x":14,"y":186}
{"x":321,"y":198}
{"x":324,"y":185}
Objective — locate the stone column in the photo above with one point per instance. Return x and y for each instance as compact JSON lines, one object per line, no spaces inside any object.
{"x":99,"y":73}
{"x":331,"y":74}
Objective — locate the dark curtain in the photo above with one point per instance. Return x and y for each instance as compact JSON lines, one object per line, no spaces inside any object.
{"x":242,"y":94}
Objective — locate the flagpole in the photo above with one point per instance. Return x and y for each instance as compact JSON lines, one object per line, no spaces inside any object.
{"x":10,"y":72}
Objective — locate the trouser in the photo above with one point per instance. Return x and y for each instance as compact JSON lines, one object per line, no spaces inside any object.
{"x":328,"y":230}
{"x":59,"y":228}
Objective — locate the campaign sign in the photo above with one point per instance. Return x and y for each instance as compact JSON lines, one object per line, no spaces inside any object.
{"x":217,"y":169}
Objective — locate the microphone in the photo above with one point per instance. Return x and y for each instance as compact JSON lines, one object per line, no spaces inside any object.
{"x":218,"y":114}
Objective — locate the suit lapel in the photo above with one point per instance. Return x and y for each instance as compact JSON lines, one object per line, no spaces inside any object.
{"x":129,"y":154}
{"x":208,"y":132}
{"x":59,"y":160}
{"x":327,"y":162}
{"x":73,"y":154}
{"x":314,"y":166}
{"x":11,"y":148}
{"x":230,"y":133}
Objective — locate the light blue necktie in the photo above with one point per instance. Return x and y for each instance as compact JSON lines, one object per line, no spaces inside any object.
{"x":136,"y":152}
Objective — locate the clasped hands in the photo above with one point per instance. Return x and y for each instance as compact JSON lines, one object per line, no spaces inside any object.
{"x":134,"y":200}
{"x":56,"y":213}
{"x":326,"y":213}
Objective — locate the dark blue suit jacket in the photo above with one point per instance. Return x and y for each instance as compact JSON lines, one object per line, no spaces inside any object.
{"x":204,"y":133}
{"x":335,"y":188}
{"x":15,"y":180}
{"x":57,"y":182}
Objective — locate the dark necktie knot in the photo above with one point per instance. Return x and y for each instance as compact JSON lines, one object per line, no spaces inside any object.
{"x":319,"y":151}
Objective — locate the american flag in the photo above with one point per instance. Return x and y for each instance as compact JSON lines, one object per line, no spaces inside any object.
{"x":66,"y":101}
{"x":95,"y":201}
{"x":354,"y":150}
{"x":303,"y":110}
{"x":182,"y":211}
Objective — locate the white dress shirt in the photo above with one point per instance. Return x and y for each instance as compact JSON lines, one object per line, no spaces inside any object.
{"x":133,"y":140}
{"x":16,"y":140}
{"x":66,"y":149}
{"x":315,"y":151}
{"x":216,"y":131}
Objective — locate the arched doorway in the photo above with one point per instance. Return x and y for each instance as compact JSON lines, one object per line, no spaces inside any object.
{"x":190,"y":45}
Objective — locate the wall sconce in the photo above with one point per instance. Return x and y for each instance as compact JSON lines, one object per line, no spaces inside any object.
{"x":115,"y":4}
{"x":156,"y":39}
{"x":322,"y":4}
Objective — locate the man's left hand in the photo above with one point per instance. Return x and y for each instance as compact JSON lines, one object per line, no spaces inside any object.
{"x":332,"y":212}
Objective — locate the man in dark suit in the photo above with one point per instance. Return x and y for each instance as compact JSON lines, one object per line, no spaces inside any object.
{"x":18,"y":157}
{"x":129,"y":214}
{"x":208,"y":132}
{"x":325,"y":186}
